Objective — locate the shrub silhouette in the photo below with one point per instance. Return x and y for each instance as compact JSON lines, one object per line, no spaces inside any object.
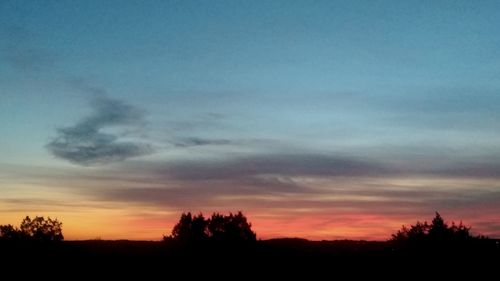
{"x":37,"y":229}
{"x":220,"y":228}
{"x":436,"y":233}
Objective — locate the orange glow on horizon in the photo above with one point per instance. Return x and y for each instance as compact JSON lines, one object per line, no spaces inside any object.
{"x":355,"y":226}
{"x":316,"y":216}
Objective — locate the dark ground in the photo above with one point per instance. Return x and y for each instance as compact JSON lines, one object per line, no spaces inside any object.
{"x":277,"y":257}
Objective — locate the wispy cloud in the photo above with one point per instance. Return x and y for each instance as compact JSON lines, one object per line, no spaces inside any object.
{"x":197,"y":141}
{"x":85,"y":144}
{"x":277,"y":164}
{"x":302,"y":180}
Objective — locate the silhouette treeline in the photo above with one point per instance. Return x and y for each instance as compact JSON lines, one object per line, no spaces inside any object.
{"x":36,"y":229}
{"x":411,"y":249}
{"x":436,"y":235}
{"x":232,"y":228}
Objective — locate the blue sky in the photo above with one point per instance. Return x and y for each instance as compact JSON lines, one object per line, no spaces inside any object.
{"x":347,"y":89}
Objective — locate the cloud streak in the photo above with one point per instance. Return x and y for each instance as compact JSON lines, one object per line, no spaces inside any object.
{"x":86,"y":144}
{"x":278,"y":164}
{"x":197,"y":141}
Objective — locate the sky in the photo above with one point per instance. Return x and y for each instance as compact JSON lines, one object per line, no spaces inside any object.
{"x":317,"y":119}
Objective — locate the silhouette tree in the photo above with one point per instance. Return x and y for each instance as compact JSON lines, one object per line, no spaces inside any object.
{"x":437,"y":233}
{"x":9,"y":232}
{"x":460,"y":232}
{"x":190,"y":229}
{"x":182,"y":229}
{"x":237,"y":228}
{"x":199,"y":228}
{"x":39,"y":229}
{"x":438,"y":229}
{"x":220,"y":228}
{"x":217,"y":227}
{"x":416,"y":232}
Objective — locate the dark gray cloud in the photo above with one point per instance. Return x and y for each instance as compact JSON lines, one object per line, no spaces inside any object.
{"x":467,"y":170}
{"x":197,"y":141}
{"x":287,"y":193}
{"x":281,"y":164}
{"x":204,"y":194}
{"x":86,"y":144}
{"x":281,"y":181}
{"x":193,"y":141}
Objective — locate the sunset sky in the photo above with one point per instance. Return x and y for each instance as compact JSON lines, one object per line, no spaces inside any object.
{"x":317,"y":119}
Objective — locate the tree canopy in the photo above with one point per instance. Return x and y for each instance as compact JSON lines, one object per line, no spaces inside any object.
{"x":221,"y":228}
{"x":437,"y":232}
{"x":36,"y":229}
